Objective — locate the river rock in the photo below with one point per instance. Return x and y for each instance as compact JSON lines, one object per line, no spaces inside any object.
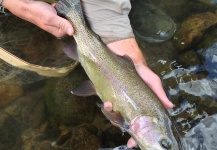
{"x":203,"y":135}
{"x":209,"y":2}
{"x":193,"y":28}
{"x":29,"y":110}
{"x":189,"y":58}
{"x":63,"y":106}
{"x":10,"y":132}
{"x":33,"y":139}
{"x":85,"y":137}
{"x":207,"y":51}
{"x":9,"y":92}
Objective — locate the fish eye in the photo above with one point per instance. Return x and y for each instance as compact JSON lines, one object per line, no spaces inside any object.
{"x":165,"y":143}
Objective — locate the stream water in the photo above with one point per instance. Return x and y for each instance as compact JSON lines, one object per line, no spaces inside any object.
{"x":39,"y":113}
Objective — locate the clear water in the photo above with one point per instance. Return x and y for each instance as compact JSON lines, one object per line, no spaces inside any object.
{"x":39,"y":113}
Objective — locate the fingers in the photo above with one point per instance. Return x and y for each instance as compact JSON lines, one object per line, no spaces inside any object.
{"x":154,"y":82}
{"x":131,"y":143}
{"x":65,"y":27}
{"x":53,"y":5}
{"x":108,"y":106}
{"x":59,"y":27}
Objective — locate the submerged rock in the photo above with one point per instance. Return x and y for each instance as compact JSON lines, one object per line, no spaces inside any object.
{"x":209,"y":55}
{"x":209,"y":2}
{"x":29,"y":110}
{"x":9,"y":92}
{"x":189,"y":58}
{"x":63,"y":106}
{"x":33,"y":139}
{"x":85,"y":137}
{"x":203,"y":136}
{"x":9,"y":132}
{"x":193,"y":28}
{"x":193,"y":94}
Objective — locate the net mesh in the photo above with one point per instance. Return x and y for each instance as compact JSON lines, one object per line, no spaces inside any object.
{"x":31,"y":44}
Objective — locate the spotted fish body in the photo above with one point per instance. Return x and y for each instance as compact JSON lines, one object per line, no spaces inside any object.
{"x":115,"y":79}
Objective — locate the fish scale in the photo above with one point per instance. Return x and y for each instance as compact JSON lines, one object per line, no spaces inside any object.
{"x":115,"y":79}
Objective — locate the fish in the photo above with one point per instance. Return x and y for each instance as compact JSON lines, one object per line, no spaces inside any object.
{"x":114,"y":78}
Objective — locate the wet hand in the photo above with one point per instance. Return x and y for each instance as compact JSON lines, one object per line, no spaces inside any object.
{"x":154,"y":82}
{"x":129,"y":47}
{"x":41,"y":14}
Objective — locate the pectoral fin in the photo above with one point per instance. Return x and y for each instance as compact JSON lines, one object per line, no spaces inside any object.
{"x":116,"y":118}
{"x":85,"y":89}
{"x":71,"y":51}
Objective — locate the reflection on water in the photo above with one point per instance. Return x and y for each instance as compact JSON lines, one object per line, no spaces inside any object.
{"x":40,"y":113}
{"x":203,"y":135}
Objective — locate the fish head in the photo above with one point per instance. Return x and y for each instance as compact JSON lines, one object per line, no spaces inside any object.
{"x":151,"y":135}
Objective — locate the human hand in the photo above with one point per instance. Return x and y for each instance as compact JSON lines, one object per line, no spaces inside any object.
{"x":41,"y":14}
{"x":129,"y":47}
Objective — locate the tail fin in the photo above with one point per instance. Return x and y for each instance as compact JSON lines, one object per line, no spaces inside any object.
{"x":65,"y":6}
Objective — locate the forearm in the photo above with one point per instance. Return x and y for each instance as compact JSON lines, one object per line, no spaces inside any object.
{"x":109,"y":19}
{"x":16,"y":6}
{"x":22,"y":9}
{"x":41,"y":14}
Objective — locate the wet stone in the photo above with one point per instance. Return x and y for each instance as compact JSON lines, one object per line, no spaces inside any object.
{"x":209,"y":39}
{"x":9,"y":92}
{"x":33,"y":139}
{"x":202,"y":135}
{"x":63,"y":106}
{"x":29,"y":110}
{"x":193,"y":28}
{"x":10,"y":132}
{"x":65,"y":134}
{"x":85,"y":137}
{"x":189,"y":58}
{"x":111,"y":137}
{"x":209,"y":2}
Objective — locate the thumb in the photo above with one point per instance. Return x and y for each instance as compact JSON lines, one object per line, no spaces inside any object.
{"x":64,"y":25}
{"x":59,"y":27}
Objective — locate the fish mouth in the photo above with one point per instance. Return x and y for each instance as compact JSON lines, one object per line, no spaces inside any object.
{"x":149,"y":135}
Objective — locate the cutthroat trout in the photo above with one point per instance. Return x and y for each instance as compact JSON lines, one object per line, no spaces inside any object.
{"x":114,"y":78}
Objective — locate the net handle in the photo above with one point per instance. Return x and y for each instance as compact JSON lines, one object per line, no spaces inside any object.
{"x":41,"y":70}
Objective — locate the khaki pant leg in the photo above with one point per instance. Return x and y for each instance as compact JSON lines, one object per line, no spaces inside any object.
{"x":109,"y":18}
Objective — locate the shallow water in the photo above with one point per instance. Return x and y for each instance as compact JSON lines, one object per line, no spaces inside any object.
{"x":37,"y":112}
